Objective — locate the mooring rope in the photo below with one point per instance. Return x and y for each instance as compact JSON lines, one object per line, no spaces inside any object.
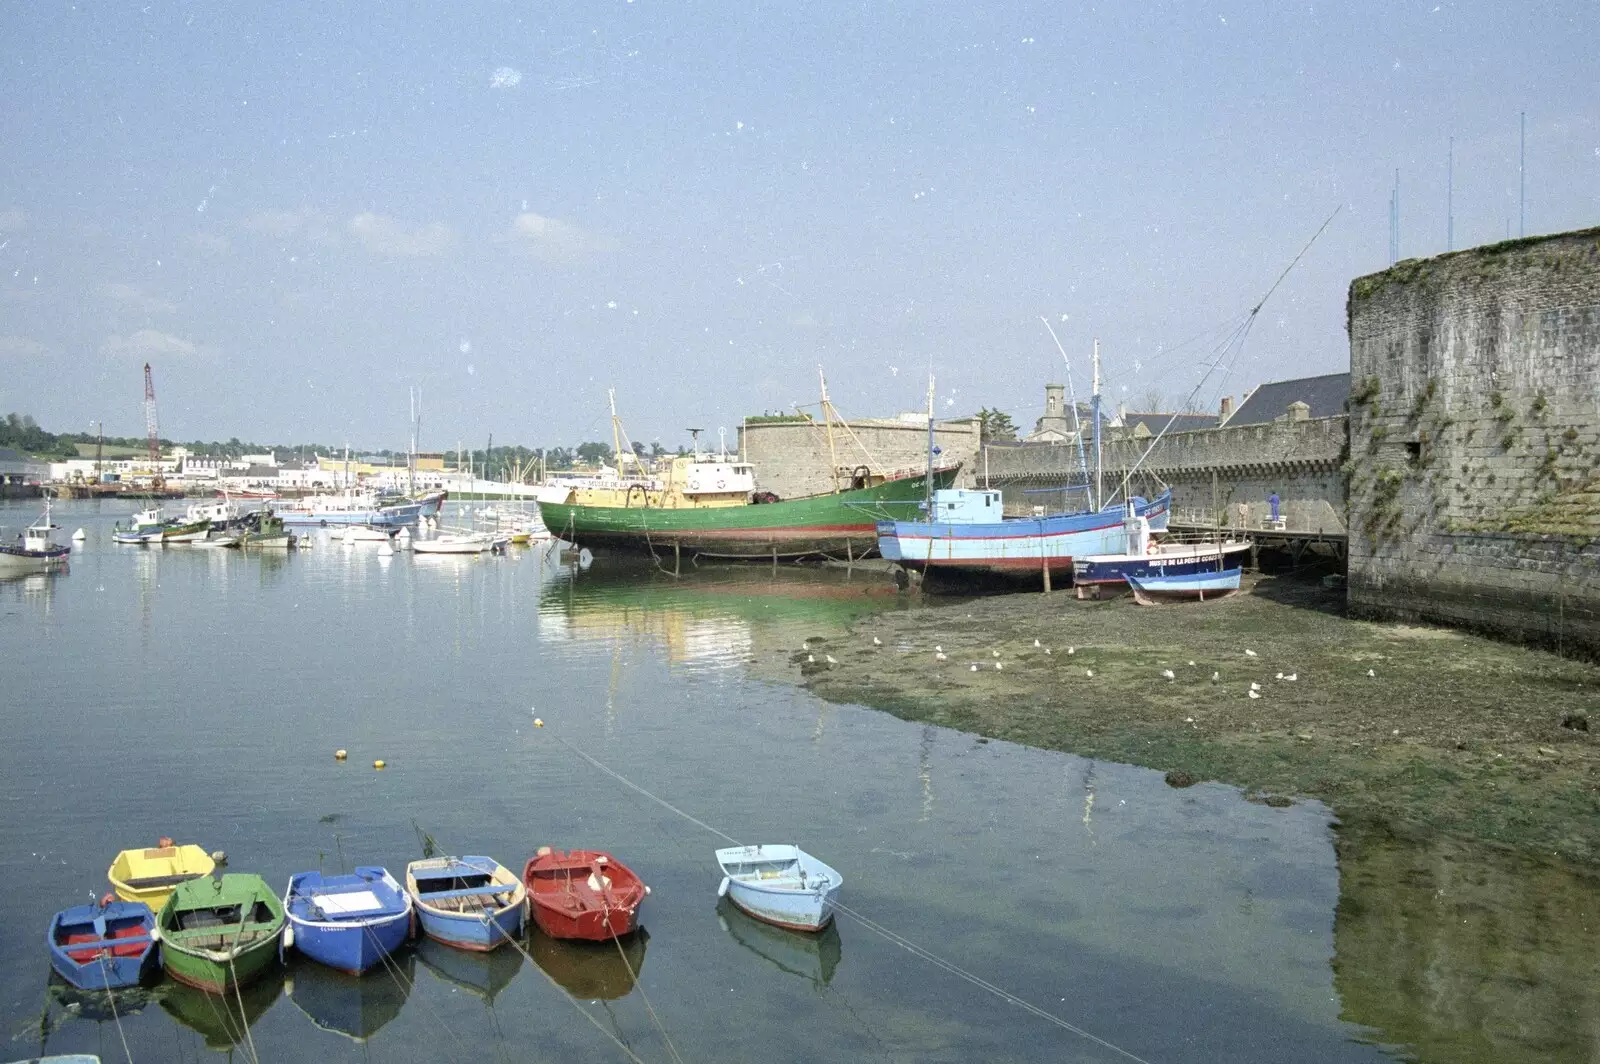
{"x":244,"y":1017}
{"x":651,"y":1009}
{"x":392,"y":968}
{"x":872,"y":925}
{"x":112,"y":997}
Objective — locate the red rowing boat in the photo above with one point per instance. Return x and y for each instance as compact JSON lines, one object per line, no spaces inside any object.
{"x":584,"y":894}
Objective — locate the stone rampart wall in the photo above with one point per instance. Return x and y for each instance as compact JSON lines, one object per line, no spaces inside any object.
{"x":793,"y":459}
{"x":1475,"y":440}
{"x":1218,"y":476}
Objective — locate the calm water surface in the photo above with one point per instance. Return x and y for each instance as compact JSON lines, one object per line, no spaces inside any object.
{"x":201,"y":694}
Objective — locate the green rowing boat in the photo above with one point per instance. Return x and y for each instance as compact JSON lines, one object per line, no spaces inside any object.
{"x":218,"y":933}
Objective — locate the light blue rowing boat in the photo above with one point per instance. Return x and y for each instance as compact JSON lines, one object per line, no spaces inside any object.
{"x":782,"y":885}
{"x":1150,"y":590}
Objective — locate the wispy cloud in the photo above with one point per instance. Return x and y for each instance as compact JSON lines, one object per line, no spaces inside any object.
{"x":12,"y":219}
{"x":382,"y":235}
{"x":21,"y":346}
{"x":303,"y":223}
{"x":211,"y":243}
{"x":505,"y":78}
{"x":135,"y":298}
{"x":147,"y":343}
{"x":552,"y":238}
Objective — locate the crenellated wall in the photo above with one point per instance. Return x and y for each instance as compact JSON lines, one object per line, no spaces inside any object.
{"x":794,"y":458}
{"x":1475,"y":440}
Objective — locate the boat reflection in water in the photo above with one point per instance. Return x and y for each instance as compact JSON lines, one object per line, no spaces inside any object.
{"x":96,"y":1006}
{"x":216,"y":1017}
{"x":354,"y":1006}
{"x":812,"y":957}
{"x":483,"y":974}
{"x":591,"y":971}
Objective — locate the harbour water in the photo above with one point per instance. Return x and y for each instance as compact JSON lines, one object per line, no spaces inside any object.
{"x":200,"y":694}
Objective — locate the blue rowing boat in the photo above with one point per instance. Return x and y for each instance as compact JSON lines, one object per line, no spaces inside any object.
{"x":103,"y":946}
{"x":1151,"y":590}
{"x":349,"y":922}
{"x":473,"y":903}
{"x":782,"y":885}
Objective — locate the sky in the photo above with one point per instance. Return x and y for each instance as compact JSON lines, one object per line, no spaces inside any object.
{"x":299,"y":212}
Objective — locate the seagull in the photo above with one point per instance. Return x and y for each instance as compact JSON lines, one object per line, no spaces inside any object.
{"x":1371,"y":673}
{"x":999,"y":665}
{"x":1167,"y":674}
{"x":811,"y":659}
{"x":940,"y":656}
{"x":804,"y":645}
{"x":1249,"y":653}
{"x":1216,"y":676}
{"x":1254,"y":686}
{"x":1035,"y":642}
{"x":1292,"y":677}
{"x":974,"y":668}
{"x":1072,"y":650}
{"x":1191,"y":664}
{"x":1254,"y":693}
{"x":1278,"y":677}
{"x":996,"y":653}
{"x":830,"y":660}
{"x":1047,"y":650}
{"x":877,"y":642}
{"x":938,"y":649}
{"x":1089,"y":673}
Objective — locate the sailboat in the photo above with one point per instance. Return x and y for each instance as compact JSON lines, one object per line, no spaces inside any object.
{"x":964,"y":532}
{"x":709,"y":505}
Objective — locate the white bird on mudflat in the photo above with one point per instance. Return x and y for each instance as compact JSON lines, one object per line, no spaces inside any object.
{"x":938,"y":649}
{"x":1072,"y":650}
{"x":1089,"y":673}
{"x":1168,"y":674}
{"x":1035,"y":642}
{"x":1249,"y":653}
{"x":999,"y":665}
{"x":829,"y":658}
{"x":1047,"y":650}
{"x":811,"y":659}
{"x":877,"y":642}
{"x":1292,"y":677}
{"x":804,"y":645}
{"x":1254,"y":686}
{"x":1191,"y":664}
{"x":974,"y":668}
{"x":1215,"y":676}
{"x":1371,"y":673}
{"x":1278,"y":677}
{"x":1254,"y":693}
{"x":940,"y":656}
{"x":996,"y":653}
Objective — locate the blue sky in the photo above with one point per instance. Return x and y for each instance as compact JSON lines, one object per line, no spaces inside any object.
{"x":298,"y":211}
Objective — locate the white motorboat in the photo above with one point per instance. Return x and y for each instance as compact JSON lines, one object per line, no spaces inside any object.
{"x":454,"y":543}
{"x":367,"y":534}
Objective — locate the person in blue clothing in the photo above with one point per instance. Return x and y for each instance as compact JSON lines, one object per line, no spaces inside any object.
{"x":1273,"y":502}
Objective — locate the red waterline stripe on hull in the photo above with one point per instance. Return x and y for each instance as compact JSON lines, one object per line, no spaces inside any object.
{"x":1031,"y":565}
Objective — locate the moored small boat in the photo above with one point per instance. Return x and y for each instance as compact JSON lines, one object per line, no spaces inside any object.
{"x":780,"y":884}
{"x":367,"y":534}
{"x":349,"y":922}
{"x":186,"y":532}
{"x":454,"y":543}
{"x":146,"y":526}
{"x":103,"y":946}
{"x":1152,"y":590}
{"x":472,"y":903}
{"x":37,"y":551}
{"x":1144,"y":557}
{"x":218,"y":933}
{"x":585,"y":894}
{"x":149,"y":875}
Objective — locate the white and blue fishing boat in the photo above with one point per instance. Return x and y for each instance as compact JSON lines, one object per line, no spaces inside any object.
{"x":969,"y":535}
{"x":104,"y":946}
{"x":34,"y":550}
{"x":349,"y":922}
{"x":781,"y":885}
{"x":472,"y":903}
{"x":146,"y":526}
{"x":1152,"y":590}
{"x":1143,"y":558}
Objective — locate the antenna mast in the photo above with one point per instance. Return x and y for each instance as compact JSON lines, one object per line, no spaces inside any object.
{"x":1096,"y":415}
{"x":827,"y":421}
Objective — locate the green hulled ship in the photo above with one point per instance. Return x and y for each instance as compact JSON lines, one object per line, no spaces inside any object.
{"x":712,"y":508}
{"x":217,"y":933}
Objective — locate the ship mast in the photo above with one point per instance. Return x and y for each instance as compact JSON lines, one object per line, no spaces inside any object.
{"x":827,"y":421}
{"x":929,"y":501}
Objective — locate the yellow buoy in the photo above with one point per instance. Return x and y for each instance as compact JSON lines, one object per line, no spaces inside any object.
{"x":379,"y":763}
{"x":340,"y":755}
{"x":538,"y":723}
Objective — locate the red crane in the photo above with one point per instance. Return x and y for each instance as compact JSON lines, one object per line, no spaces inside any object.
{"x":151,"y":430}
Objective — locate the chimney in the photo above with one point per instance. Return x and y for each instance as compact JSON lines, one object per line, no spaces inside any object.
{"x":1227,"y":408}
{"x":1299,"y":411}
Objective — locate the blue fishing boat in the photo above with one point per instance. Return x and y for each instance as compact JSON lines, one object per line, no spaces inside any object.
{"x":472,"y":903}
{"x":103,"y":946}
{"x":1152,"y":590}
{"x":349,"y":922}
{"x":1141,"y":556}
{"x":782,"y":885}
{"x":969,"y":535}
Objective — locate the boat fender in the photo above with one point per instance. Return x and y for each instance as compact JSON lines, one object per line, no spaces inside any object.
{"x":288,"y":937}
{"x":164,"y":843}
{"x":107,"y":898}
{"x":722,"y":891}
{"x":155,"y":933}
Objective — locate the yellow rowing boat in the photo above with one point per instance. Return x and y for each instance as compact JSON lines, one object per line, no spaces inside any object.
{"x":149,"y":875}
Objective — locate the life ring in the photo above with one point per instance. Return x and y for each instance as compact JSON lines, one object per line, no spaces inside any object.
{"x":1152,"y":549}
{"x":694,"y":485}
{"x":721,"y":484}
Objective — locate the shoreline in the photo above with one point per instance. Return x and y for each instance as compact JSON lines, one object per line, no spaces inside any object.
{"x":1452,"y":735}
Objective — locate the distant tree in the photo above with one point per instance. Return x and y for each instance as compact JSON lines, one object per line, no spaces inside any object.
{"x":995,"y":425}
{"x":594,"y":453}
{"x":656,"y":450}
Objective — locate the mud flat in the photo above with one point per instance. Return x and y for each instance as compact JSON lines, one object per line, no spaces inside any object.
{"x":1424,"y":732}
